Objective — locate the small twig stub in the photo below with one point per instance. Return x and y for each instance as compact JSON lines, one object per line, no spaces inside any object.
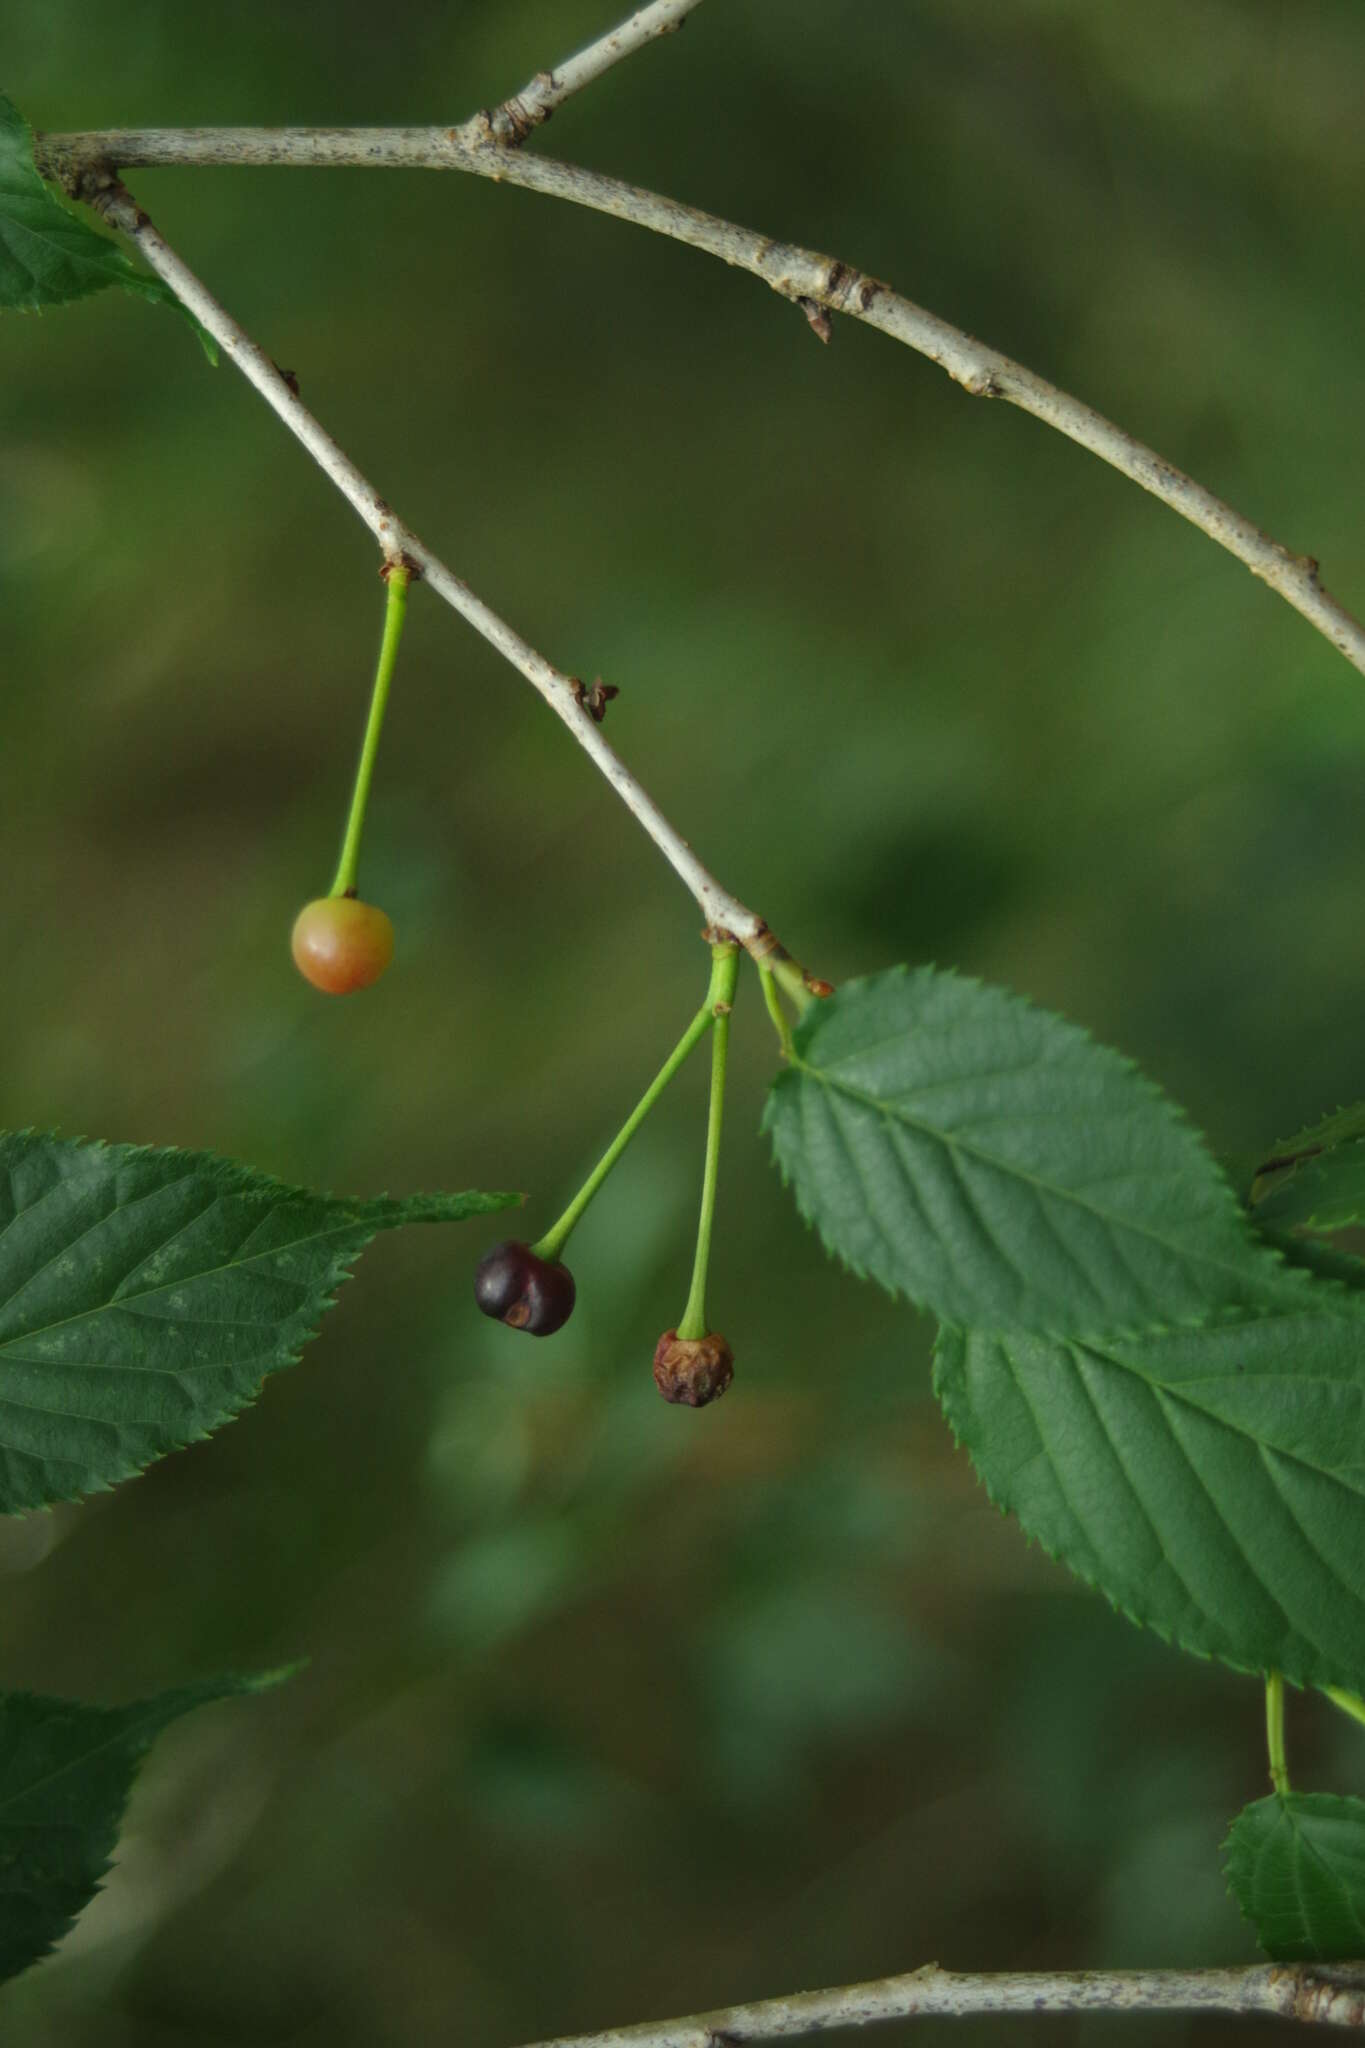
{"x":816,"y":314}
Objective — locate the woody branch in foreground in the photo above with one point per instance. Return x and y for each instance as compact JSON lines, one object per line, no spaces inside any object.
{"x":487,"y":147}
{"x":1332,"y":1997}
{"x":580,"y":710}
{"x":513,"y":121}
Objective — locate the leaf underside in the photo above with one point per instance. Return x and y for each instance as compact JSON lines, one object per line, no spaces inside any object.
{"x":65,"y":1774}
{"x":145,"y":1295}
{"x":1168,"y":1404}
{"x":1295,"y":1863}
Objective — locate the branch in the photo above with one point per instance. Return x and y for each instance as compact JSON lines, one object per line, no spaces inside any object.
{"x":1333,"y":1997}
{"x":400,"y":543}
{"x":810,"y":280}
{"x":513,"y":121}
{"x":68,"y":157}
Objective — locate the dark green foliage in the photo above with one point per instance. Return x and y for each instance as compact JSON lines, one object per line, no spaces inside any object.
{"x":1166,"y":1404}
{"x":1211,"y":1482}
{"x":145,"y":1294}
{"x":1295,"y":1864}
{"x":1316,"y":1180}
{"x":995,"y":1165}
{"x":1310,"y":1253}
{"x":1164,"y":754}
{"x":66,"y":1770}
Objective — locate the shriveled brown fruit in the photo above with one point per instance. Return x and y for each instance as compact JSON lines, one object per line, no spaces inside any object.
{"x":691,"y":1371}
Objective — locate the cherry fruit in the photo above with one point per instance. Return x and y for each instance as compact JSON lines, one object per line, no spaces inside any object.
{"x":523,"y":1290}
{"x":341,"y":944}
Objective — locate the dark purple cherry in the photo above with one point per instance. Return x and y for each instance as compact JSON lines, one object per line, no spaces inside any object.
{"x":524,"y":1291}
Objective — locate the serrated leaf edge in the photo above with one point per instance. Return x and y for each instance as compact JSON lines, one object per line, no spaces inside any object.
{"x":1229,"y":1849}
{"x":233,"y":1685}
{"x":1172,"y":1637}
{"x":786,"y":1075}
{"x":238,"y":1178}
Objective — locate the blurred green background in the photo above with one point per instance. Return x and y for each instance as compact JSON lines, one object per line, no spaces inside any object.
{"x":615,"y":1710}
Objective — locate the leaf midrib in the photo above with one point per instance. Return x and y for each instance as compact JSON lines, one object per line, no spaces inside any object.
{"x":118,"y":1209}
{"x":1308,"y":1849}
{"x":1174,"y":1390}
{"x":153,"y":1721}
{"x":1159,"y":1388}
{"x":950,"y":1141}
{"x":192,"y":1279}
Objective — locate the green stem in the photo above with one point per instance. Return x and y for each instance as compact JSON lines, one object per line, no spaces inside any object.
{"x":395,"y":610}
{"x":790,"y":978}
{"x":720,"y":998}
{"x":557,"y":1236}
{"x":776,"y":1011}
{"x":1274,"y":1731}
{"x":1350,"y":1702}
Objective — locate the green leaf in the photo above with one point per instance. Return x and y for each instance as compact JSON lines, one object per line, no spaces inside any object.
{"x":145,"y":1295}
{"x":1168,"y":1404}
{"x":1322,"y":1193}
{"x":49,"y":255}
{"x":995,"y":1165}
{"x":1317,"y":1177}
{"x":1295,"y":1863}
{"x":1327,"y":1261}
{"x":65,"y":1774}
{"x":1211,"y":1482}
{"x":1342,"y":1127}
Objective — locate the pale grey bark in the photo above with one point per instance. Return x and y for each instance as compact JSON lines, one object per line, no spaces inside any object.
{"x":398,"y":542}
{"x":1333,"y":1997}
{"x":819,"y":284}
{"x":487,"y":146}
{"x":513,"y":121}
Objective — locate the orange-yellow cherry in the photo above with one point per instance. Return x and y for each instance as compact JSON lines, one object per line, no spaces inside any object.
{"x":341,"y":944}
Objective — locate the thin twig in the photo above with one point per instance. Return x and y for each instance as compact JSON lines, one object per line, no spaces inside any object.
{"x":487,"y":146}
{"x":798,"y":274}
{"x":1333,"y":1997}
{"x":513,"y":121}
{"x":68,"y":157}
{"x":400,"y":543}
